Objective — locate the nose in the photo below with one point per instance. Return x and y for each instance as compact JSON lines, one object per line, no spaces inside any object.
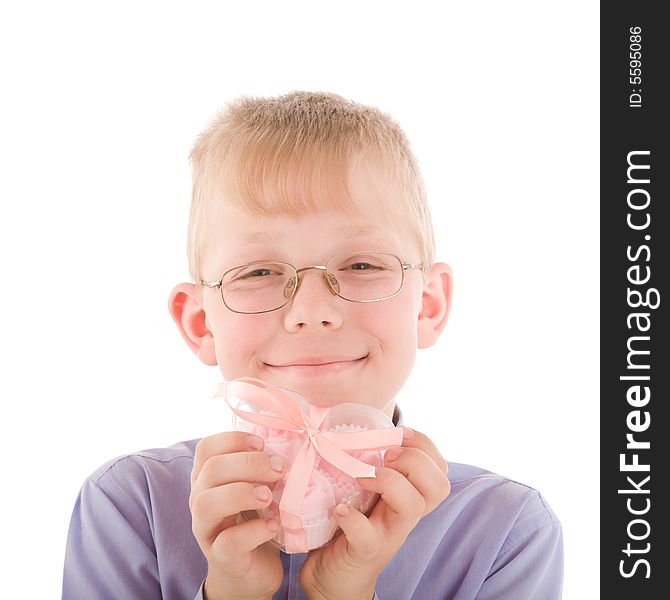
{"x":314,"y":303}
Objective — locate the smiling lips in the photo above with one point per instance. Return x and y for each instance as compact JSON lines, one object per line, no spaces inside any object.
{"x":315,"y":366}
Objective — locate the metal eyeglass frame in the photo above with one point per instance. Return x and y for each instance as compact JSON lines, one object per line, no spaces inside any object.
{"x":219,"y":284}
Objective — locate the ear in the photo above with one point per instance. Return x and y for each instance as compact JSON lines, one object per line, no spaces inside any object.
{"x":185,"y":306}
{"x":435,"y":305}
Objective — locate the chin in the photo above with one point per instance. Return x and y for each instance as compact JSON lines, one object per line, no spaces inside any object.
{"x":327,"y":394}
{"x":323,"y":396}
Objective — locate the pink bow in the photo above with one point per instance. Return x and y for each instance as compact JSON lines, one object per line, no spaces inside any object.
{"x":330,"y":445}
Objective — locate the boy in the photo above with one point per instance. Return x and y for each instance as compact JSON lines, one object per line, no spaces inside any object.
{"x":311,"y":248}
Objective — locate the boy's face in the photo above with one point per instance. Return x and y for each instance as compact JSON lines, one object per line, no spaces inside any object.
{"x":326,"y":348}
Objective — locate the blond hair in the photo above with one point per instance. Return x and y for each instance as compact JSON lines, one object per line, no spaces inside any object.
{"x":291,"y":155}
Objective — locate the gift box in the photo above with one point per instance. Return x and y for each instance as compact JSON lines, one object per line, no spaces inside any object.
{"x":325,"y":449}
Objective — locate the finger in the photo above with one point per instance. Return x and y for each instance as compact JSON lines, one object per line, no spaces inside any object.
{"x":223,"y":443}
{"x":215,"y":509}
{"x":415,"y":439}
{"x":233,"y":543}
{"x":422,"y":472}
{"x":363,"y":542}
{"x":239,"y":466}
{"x":399,"y":495}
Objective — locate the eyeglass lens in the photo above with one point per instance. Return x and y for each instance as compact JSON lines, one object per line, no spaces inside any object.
{"x":262,"y":286}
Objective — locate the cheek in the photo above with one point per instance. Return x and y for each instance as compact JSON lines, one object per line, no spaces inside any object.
{"x":236,"y":339}
{"x":394,"y":324}
{"x":394,"y":320}
{"x":395,"y":331}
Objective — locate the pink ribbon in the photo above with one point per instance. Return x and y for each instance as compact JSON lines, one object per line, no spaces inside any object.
{"x":330,"y":445}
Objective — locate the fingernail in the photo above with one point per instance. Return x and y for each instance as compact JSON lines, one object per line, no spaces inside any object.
{"x":273,"y":525}
{"x":277,"y":463}
{"x":342,"y":510}
{"x":255,"y":443}
{"x":407,"y":432}
{"x":262,"y":493}
{"x":392,"y":454}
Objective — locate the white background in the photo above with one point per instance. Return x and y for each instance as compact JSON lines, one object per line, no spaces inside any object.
{"x":101,"y":104}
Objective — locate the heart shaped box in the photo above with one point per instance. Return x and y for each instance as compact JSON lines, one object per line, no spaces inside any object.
{"x":258,"y":406}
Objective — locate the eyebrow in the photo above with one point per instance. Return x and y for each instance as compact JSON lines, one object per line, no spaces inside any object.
{"x":256,"y":237}
{"x":347,"y":232}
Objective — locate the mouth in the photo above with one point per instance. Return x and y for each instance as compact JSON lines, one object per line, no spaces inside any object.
{"x":317,"y":366}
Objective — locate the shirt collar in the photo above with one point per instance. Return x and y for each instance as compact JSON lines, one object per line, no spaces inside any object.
{"x":397,"y":416}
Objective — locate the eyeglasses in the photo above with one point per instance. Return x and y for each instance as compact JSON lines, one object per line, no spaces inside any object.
{"x":263,"y":286}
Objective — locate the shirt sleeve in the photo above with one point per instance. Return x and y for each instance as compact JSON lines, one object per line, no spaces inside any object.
{"x":110,"y":552}
{"x":531,"y":568}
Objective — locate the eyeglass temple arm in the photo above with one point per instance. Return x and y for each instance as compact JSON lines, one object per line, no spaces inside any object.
{"x":217,"y":284}
{"x":211,"y":284}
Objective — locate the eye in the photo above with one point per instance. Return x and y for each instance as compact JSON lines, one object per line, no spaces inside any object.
{"x":256,"y":273}
{"x":362,"y":266}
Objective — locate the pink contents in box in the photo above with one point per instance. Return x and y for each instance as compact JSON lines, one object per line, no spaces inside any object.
{"x":320,"y":438}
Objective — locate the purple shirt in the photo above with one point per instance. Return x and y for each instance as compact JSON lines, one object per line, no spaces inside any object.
{"x":130,"y":538}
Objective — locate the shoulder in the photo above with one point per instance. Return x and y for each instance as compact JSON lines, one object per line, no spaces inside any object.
{"x":471,"y":483}
{"x":492,"y":537}
{"x":146,"y":460}
{"x":493,"y":508}
{"x":146,"y":472}
{"x":130,"y":532}
{"x":499,"y":497}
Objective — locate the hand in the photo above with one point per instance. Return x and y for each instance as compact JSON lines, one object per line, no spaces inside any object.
{"x":412,"y":483}
{"x":241,"y":564}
